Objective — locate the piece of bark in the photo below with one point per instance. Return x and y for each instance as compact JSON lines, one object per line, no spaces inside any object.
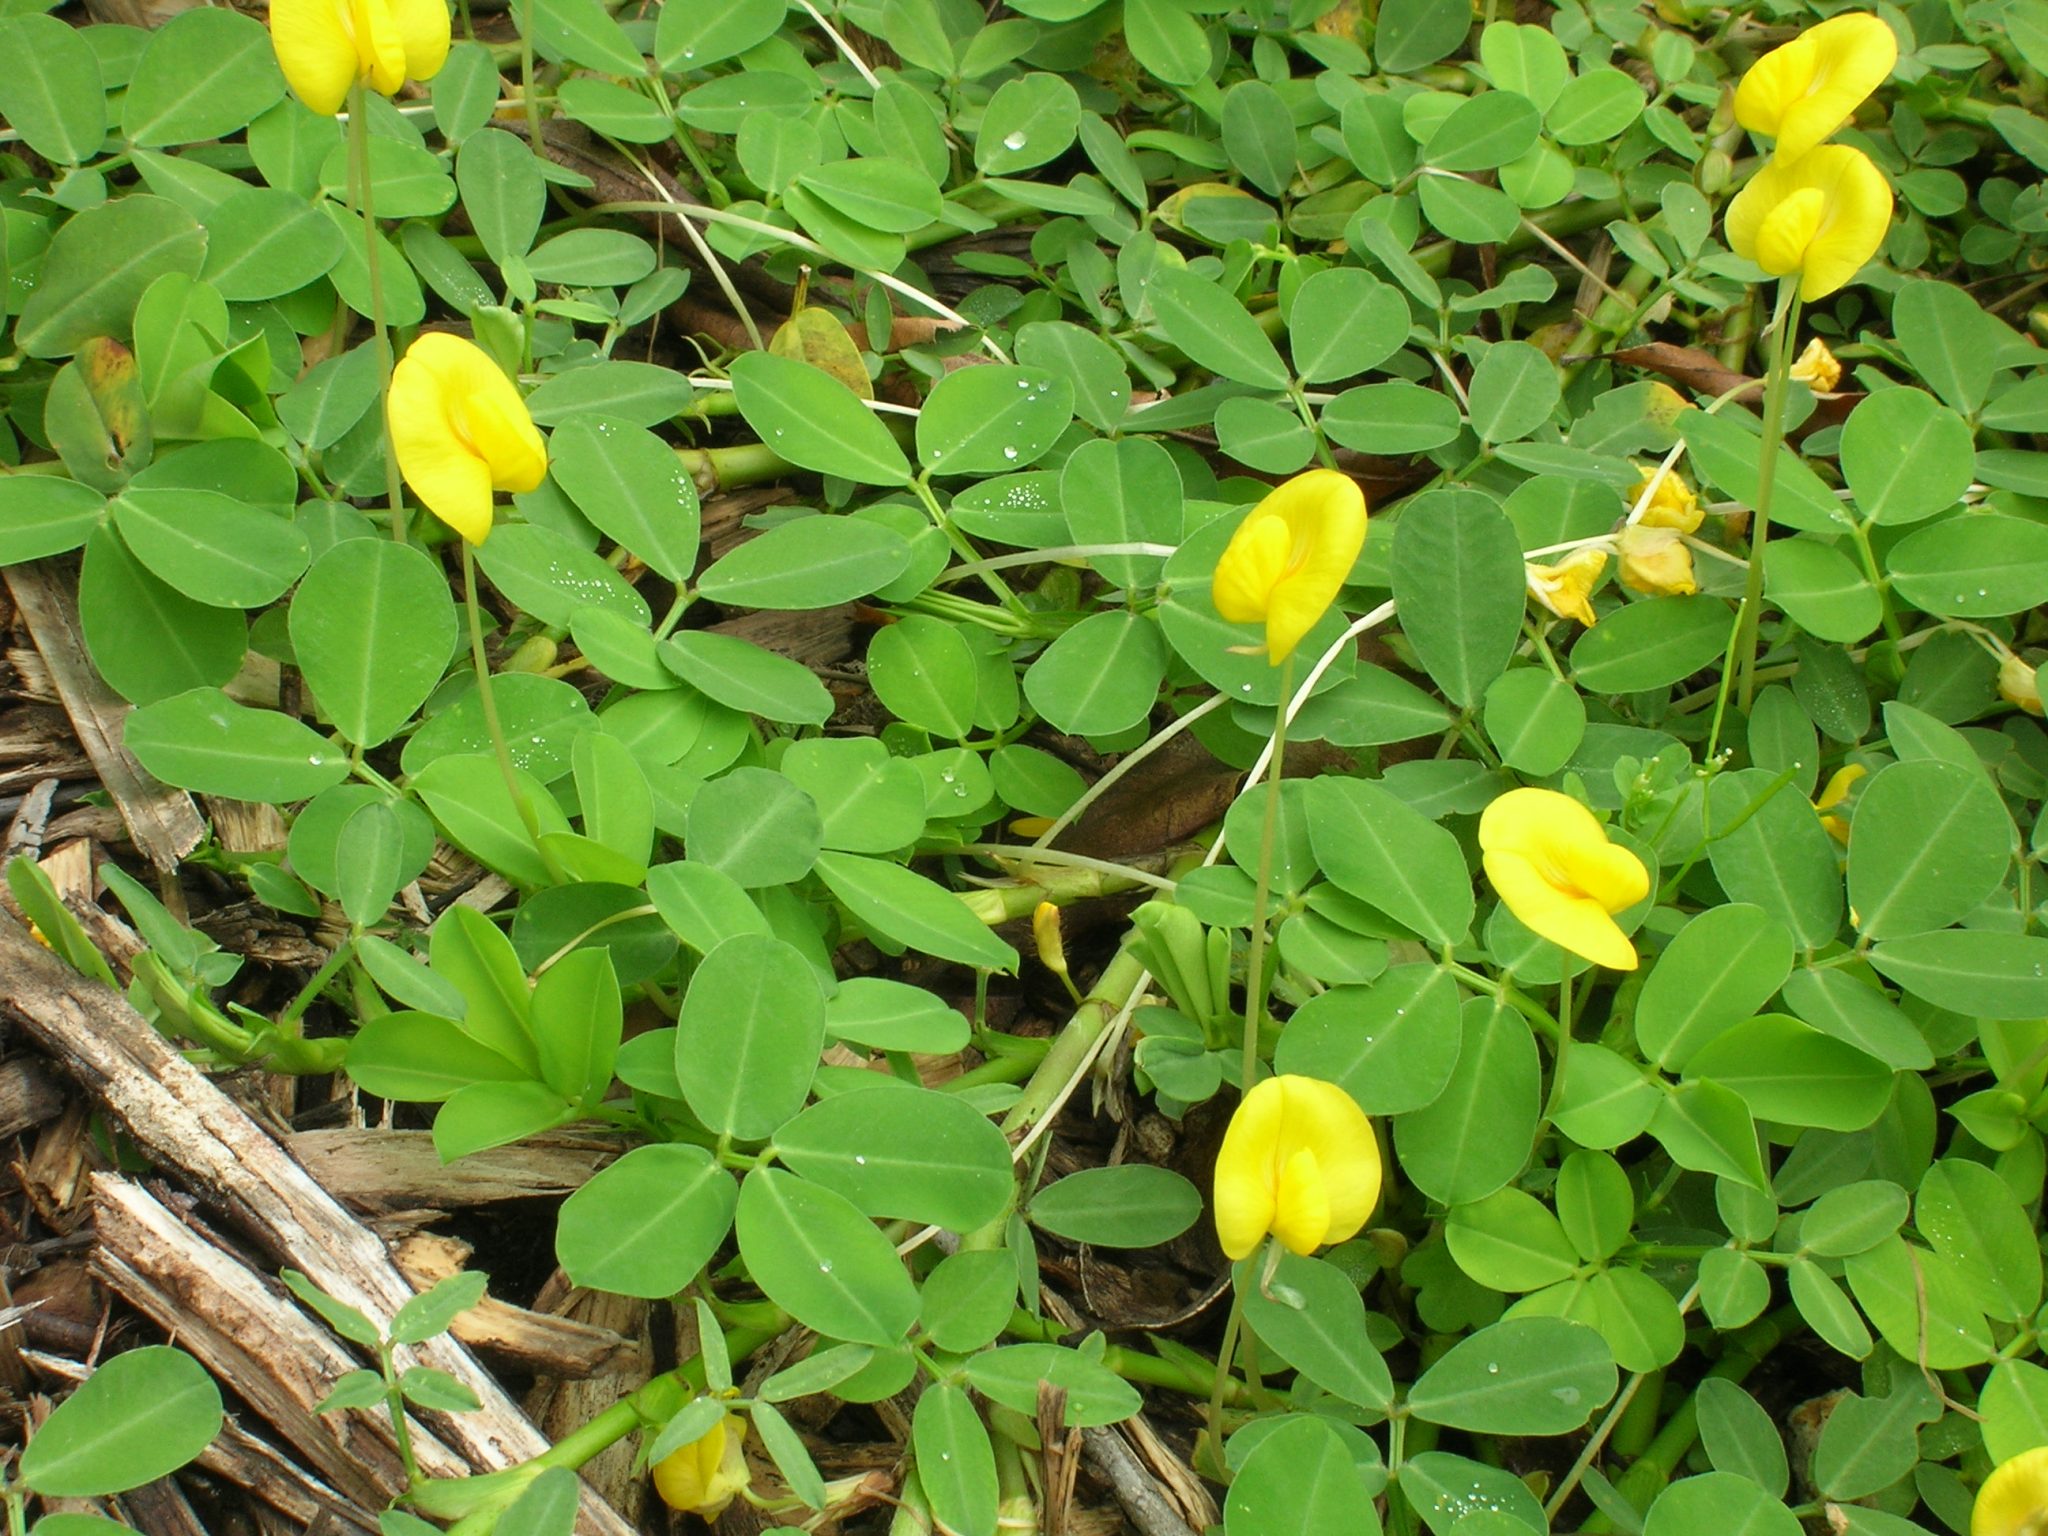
{"x":240,"y":826}
{"x":815,"y":637}
{"x":264,"y":1347}
{"x":163,"y":822}
{"x":559,"y":1405}
{"x":262,"y":1471}
{"x":379,"y":1170}
{"x":54,"y":1176}
{"x":29,"y":1096}
{"x":547,"y":1346}
{"x":1143,"y":1501}
{"x":182,"y":1121}
{"x":160,"y":1508}
{"x":30,"y":821}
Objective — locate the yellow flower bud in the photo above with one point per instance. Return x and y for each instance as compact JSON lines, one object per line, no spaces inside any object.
{"x":2014,"y":1498}
{"x":1833,"y":793}
{"x":1300,"y":1161}
{"x":1656,"y":561}
{"x":2018,"y":684}
{"x":325,"y":46}
{"x":1672,"y":503}
{"x":1566,"y":588}
{"x":461,"y":432}
{"x":1553,"y":867}
{"x":1045,"y":931}
{"x":703,"y":1477}
{"x":1822,"y":215}
{"x":1817,"y":368}
{"x":1801,"y":93}
{"x":536,"y":653}
{"x":1290,"y":556}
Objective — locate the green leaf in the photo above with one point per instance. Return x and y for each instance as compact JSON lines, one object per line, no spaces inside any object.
{"x":786,"y":1448}
{"x":984,"y":421}
{"x":632,"y":486}
{"x":1457,"y":575}
{"x":1100,"y":677}
{"x":1300,"y":1478}
{"x":215,"y":549}
{"x":592,"y":258}
{"x":1391,"y":1045}
{"x":1793,"y":1075}
{"x":898,"y":904}
{"x":1536,"y":721}
{"x":923,"y":672}
{"x":100,"y":263}
{"x":1595,"y":107}
{"x":502,"y":189}
{"x":142,"y":1415}
{"x":52,"y":95}
{"x":886,"y":1015}
{"x":206,"y":73}
{"x":1725,"y":451}
{"x":1652,"y":644}
{"x":1868,"y":1444}
{"x":266,"y":243}
{"x":1720,"y":1502}
{"x":1345,"y":322}
{"x":818,"y":1258}
{"x":1483,"y":134}
{"x":369,"y":861}
{"x":956,"y":1465}
{"x":809,"y":562}
{"x":1740,"y":1437}
{"x":645,"y":1225}
{"x":1392,"y":418}
{"x":1929,"y":842}
{"x":905,"y":1153}
{"x":1213,"y":329}
{"x":43,"y":515}
{"x":1973,"y":566}
{"x":466,"y":794}
{"x":814,"y":421}
{"x":429,"y":1314}
{"x":1131,"y":1206}
{"x":640,"y":394}
{"x":487,"y":1115}
{"x":584,"y":32}
{"x":1414,"y":33}
{"x":1979,"y":974}
{"x":418,"y":1058}
{"x":1476,"y":1135}
{"x":617,"y":802}
{"x":576,"y":1019}
{"x":549,"y":576}
{"x":1258,"y":135}
{"x":748,"y":1037}
{"x":1373,"y":845}
{"x":2014,"y":1404}
{"x":1525,"y":59}
{"x":1970,"y":1215}
{"x":1011,"y":1376}
{"x":755,"y":826}
{"x":968,"y":1298}
{"x":468,"y":951}
{"x":1525,"y":1376}
{"x":1708,"y":1128}
{"x":1167,"y":40}
{"x":1778,"y":857}
{"x":1920,"y":1304}
{"x":1852,"y":1218}
{"x":1821,"y":589}
{"x":1953,"y":345}
{"x":203,"y":740}
{"x":1905,"y":457}
{"x":744,"y":677}
{"x":870,"y":801}
{"x":1510,"y":1241}
{"x":693,"y":37}
{"x":1102,"y":387}
{"x":1718,"y":970}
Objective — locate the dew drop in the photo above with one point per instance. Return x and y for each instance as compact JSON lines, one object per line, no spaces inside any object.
{"x":1009,"y":453}
{"x":1015,"y":140}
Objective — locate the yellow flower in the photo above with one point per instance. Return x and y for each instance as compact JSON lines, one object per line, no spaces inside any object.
{"x":1656,"y":561}
{"x":1672,"y":503}
{"x":1299,"y":1161}
{"x":702,"y":1477}
{"x":1817,"y":368}
{"x":461,"y":431}
{"x":1801,"y":93}
{"x":1045,"y":932}
{"x":1833,"y":793}
{"x":1566,"y":588}
{"x":2014,"y":1499}
{"x":1290,"y":556}
{"x":1823,"y":216}
{"x":325,"y":46}
{"x":1554,"y":868}
{"x":2018,"y":685}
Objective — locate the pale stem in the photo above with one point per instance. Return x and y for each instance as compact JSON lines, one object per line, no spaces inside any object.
{"x":1255,"y":955}
{"x":359,"y":187}
{"x":493,"y":725}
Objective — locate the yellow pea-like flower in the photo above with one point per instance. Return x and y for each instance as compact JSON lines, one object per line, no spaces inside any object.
{"x":1833,"y":793}
{"x":1656,"y":561}
{"x":703,"y":1477}
{"x":1817,"y":367}
{"x":1672,"y":503}
{"x":325,"y":46}
{"x":2014,"y":1498}
{"x":1290,"y":556}
{"x":1822,"y":215}
{"x":1551,"y":863}
{"x":1801,"y":93}
{"x":1299,"y":1160}
{"x":1566,"y":588}
{"x":2018,"y":684}
{"x":461,"y":432}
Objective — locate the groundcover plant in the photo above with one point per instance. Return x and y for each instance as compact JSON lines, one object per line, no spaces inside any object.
{"x":1316,"y":719}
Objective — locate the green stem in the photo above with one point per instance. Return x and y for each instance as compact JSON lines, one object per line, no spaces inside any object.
{"x":1255,"y":954}
{"x":1213,"y":1416}
{"x":401,"y":1430}
{"x":1076,"y":1040}
{"x":1564,"y":1042}
{"x":493,"y":725}
{"x":528,"y":98}
{"x":1775,"y":388}
{"x":359,"y":187}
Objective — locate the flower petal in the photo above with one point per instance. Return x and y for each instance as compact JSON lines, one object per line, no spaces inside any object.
{"x":1301,"y":1217}
{"x":1323,"y":1117}
{"x":2014,"y":1498}
{"x":1570,"y":921}
{"x":381,"y":49}
{"x":1788,"y":229}
{"x":1859,"y":204}
{"x":1551,"y":863}
{"x":1801,"y":93}
{"x":1252,"y":565}
{"x":423,"y":33}
{"x":1247,"y":1171}
{"x":1291,"y":556}
{"x":314,"y":49}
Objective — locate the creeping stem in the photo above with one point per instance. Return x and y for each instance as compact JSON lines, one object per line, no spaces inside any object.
{"x":1776,"y":383}
{"x":359,"y":188}
{"x":1255,"y":955}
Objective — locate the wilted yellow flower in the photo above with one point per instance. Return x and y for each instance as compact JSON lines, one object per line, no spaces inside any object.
{"x":1300,"y":1161}
{"x":1833,"y":793}
{"x":702,"y":1477}
{"x":1823,"y":216}
{"x":1290,"y":556}
{"x":1656,"y":561}
{"x":1817,"y":368}
{"x":2014,"y":1498}
{"x":1045,"y":932}
{"x":461,"y":432}
{"x":1801,"y":93}
{"x":1566,"y":588}
{"x":325,"y":46}
{"x":1672,"y":503}
{"x":1551,"y":863}
{"x":2018,"y":684}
